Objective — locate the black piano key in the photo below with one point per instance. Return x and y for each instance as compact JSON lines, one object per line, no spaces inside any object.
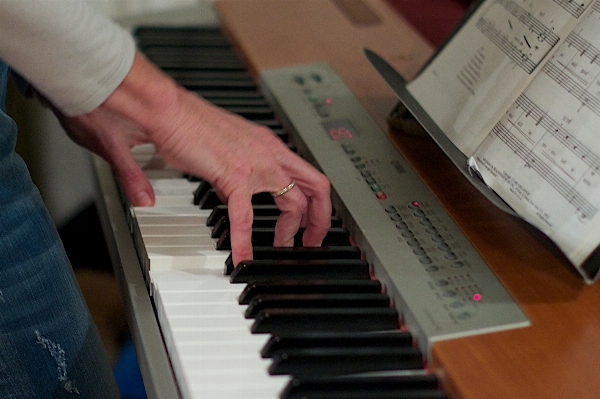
{"x":262,"y":199}
{"x":206,"y":85}
{"x":182,"y":51}
{"x":287,"y":321}
{"x":195,"y":58}
{"x":270,"y":123}
{"x":305,"y":301}
{"x":218,"y":212}
{"x":212,"y":95}
{"x":299,"y":253}
{"x":259,"y":210}
{"x":184,"y":36}
{"x":192,"y":178}
{"x":309,"y":287}
{"x":325,"y":269}
{"x":240,"y":102}
{"x":197,"y":63}
{"x":209,"y":200}
{"x":284,"y":136}
{"x":365,"y":387}
{"x":264,"y":236}
{"x":316,"y":362}
{"x":259,"y":221}
{"x":378,"y":394}
{"x":307,"y":253}
{"x":218,"y":76}
{"x":200,"y":191}
{"x":344,"y":339}
{"x":220,"y":226}
{"x":255,"y":113}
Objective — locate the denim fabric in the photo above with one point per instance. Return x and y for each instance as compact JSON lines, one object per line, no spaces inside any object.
{"x":49,"y":346}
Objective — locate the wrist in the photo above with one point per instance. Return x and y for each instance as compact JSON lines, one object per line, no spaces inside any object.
{"x":147,"y":97}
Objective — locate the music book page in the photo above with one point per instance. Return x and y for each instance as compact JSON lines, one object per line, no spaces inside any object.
{"x":517,"y":90}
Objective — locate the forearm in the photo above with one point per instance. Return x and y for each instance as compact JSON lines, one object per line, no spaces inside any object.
{"x":74,"y":56}
{"x":147,"y":97}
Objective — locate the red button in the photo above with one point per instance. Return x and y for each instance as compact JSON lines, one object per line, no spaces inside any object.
{"x":381,"y":195}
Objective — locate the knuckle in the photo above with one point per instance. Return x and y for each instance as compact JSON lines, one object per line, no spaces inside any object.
{"x":298,"y":203}
{"x":322,"y":184}
{"x":244,"y":220}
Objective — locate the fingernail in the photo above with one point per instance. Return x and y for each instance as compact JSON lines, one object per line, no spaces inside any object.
{"x":142,"y":199}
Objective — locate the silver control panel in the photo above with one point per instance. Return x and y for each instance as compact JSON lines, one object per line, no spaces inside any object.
{"x":439,"y":283}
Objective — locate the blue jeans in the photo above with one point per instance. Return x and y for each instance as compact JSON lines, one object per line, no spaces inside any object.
{"x":49,"y":345}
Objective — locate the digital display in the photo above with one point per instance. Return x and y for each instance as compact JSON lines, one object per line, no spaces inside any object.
{"x":339,"y":129}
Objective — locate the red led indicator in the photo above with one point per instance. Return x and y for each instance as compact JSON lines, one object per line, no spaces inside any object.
{"x":328,"y":101}
{"x":340,"y":133}
{"x":339,"y":129}
{"x":477,"y":297}
{"x":415,"y":203}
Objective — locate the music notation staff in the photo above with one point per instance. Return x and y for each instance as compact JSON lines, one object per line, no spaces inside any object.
{"x":520,"y":35}
{"x":574,"y":7}
{"x":559,"y":133}
{"x":546,"y":166}
{"x":568,"y":75}
{"x":567,"y":161}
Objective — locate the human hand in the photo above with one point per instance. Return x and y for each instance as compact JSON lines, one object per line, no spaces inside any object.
{"x":237,"y":157}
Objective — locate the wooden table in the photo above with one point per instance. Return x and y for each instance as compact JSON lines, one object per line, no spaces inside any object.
{"x":554,"y":358}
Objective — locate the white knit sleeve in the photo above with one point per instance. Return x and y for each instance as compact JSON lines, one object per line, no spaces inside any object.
{"x":72,"y":54}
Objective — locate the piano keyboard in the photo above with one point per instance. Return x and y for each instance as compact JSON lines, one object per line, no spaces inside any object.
{"x":305,"y":323}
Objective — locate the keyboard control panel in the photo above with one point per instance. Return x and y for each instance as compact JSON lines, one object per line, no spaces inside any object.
{"x":438,"y":281}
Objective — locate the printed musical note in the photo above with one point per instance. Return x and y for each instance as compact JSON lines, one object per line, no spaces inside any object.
{"x":574,"y":7}
{"x":571,"y":76}
{"x":526,"y":41}
{"x":543,"y":168}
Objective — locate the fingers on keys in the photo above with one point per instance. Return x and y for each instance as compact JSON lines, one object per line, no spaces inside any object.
{"x":310,"y":209}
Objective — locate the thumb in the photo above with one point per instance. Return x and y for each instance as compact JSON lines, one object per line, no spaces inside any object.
{"x":134,"y":181}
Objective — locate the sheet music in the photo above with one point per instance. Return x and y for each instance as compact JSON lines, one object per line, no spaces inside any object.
{"x":543,"y":156}
{"x":474,"y":79}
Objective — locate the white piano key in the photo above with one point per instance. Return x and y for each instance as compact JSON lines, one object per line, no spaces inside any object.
{"x":199,"y":241}
{"x":206,"y":278}
{"x":244,"y":369}
{"x":243,"y":373}
{"x":146,"y":148}
{"x":237,"y":358}
{"x":183,"y":258}
{"x":174,"y":230}
{"x":227,"y":294}
{"x":191,"y":337}
{"x":227,"y":356}
{"x":191,"y":342}
{"x":159,"y":220}
{"x":254,"y":390}
{"x":175,"y":210}
{"x":215,"y":353}
{"x":178,"y":184}
{"x":236,"y":379}
{"x":206,"y":310}
{"x":164,"y":173}
{"x":173,"y":200}
{"x":151,"y":163}
{"x":164,"y":191}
